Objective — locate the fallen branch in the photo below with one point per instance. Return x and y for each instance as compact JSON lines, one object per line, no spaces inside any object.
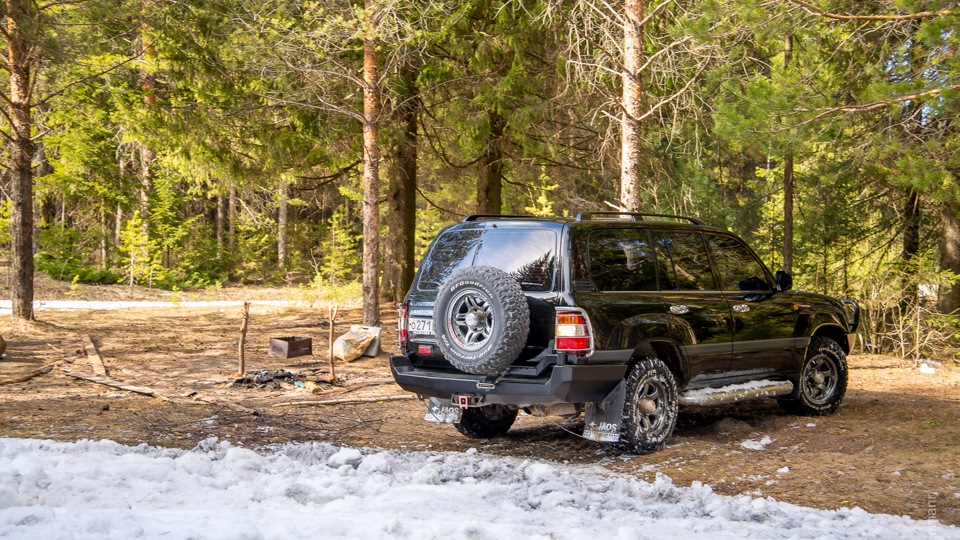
{"x":106,"y":381}
{"x":35,"y":373}
{"x":342,"y":401}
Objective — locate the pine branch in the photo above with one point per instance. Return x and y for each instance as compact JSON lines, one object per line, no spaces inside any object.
{"x":814,"y":10}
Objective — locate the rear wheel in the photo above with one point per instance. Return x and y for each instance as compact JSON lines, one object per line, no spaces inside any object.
{"x":823,"y":380}
{"x":650,"y":408}
{"x":486,"y":422}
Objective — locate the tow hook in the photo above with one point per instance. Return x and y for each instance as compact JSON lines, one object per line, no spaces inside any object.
{"x":462,"y":401}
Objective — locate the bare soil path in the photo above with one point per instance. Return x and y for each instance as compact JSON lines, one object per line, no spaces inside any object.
{"x":893,"y":447}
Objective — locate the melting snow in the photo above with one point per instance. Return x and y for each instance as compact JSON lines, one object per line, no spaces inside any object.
{"x":751,"y":444}
{"x":100,"y":489}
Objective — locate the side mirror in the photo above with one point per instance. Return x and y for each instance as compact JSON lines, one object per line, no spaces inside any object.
{"x":784,"y":280}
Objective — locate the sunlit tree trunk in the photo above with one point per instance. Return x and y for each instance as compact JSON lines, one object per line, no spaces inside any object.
{"x":371,"y":170}
{"x":788,"y":177}
{"x":282,"y":223}
{"x":632,"y":97}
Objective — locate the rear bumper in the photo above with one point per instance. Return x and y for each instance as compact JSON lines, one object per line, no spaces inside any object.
{"x":564,"y":384}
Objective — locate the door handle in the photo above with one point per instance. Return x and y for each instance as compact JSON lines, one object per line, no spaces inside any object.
{"x":679,"y":309}
{"x":741,"y":308}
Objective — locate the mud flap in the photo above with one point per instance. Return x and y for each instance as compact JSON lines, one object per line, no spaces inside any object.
{"x":602,"y":420}
{"x":442,"y":411}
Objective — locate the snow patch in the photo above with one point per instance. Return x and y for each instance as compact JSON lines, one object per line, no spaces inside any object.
{"x":100,"y":489}
{"x":752,"y":444}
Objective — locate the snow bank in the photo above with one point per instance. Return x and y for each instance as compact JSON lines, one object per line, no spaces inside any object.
{"x":90,"y":489}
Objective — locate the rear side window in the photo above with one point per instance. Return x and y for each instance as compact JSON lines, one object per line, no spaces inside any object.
{"x":622,"y":260}
{"x":530,"y":256}
{"x":689,"y":267}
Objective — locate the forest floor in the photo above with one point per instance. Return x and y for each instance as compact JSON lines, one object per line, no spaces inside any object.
{"x":893,"y":447}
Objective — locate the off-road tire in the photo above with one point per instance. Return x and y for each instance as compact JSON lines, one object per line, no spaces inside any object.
{"x":823,"y":380}
{"x":650,"y":408}
{"x":486,"y":422}
{"x":482,"y":320}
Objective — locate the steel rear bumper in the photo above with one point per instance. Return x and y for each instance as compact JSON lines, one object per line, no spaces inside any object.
{"x":564,"y":384}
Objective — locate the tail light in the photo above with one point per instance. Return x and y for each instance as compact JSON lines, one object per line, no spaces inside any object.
{"x":402,"y":328}
{"x":573,"y":332}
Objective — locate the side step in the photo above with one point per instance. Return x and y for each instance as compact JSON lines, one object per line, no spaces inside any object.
{"x":736,"y":392}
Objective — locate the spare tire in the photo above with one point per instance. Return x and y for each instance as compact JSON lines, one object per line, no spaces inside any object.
{"x":482,"y":320}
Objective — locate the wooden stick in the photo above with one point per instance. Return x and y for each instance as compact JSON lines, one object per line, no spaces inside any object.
{"x":93,"y":356}
{"x":341,"y":401}
{"x":35,"y":373}
{"x":117,"y":384}
{"x":243,"y":338}
{"x":332,"y":313}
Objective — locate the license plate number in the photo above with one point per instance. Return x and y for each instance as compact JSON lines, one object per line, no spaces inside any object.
{"x":420,"y":326}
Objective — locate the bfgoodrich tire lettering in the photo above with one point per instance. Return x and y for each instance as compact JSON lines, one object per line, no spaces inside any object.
{"x":823,"y":380}
{"x":650,"y":409}
{"x":482,"y":320}
{"x":486,"y":422}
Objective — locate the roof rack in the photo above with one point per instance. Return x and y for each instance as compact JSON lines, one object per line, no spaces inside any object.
{"x":478,"y":217}
{"x":634,"y":216}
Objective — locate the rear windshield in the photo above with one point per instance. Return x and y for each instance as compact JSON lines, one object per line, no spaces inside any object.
{"x":528,"y":255}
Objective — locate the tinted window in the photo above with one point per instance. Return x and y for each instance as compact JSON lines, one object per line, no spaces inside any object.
{"x":451,"y":251}
{"x":622,"y":260}
{"x":690,"y":265}
{"x":528,"y":255}
{"x":739,"y":269}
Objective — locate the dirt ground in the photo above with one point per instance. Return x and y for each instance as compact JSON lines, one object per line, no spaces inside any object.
{"x":893,"y":447}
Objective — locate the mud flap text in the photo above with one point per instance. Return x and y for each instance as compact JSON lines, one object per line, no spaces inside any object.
{"x":602,"y":419}
{"x":442,"y":411}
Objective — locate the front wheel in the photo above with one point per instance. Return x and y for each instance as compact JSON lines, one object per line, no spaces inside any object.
{"x":823,"y":380}
{"x":486,"y":422}
{"x":650,"y":408}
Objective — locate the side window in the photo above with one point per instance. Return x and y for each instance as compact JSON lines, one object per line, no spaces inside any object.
{"x":739,"y":269}
{"x":690,"y":265}
{"x":622,"y":260}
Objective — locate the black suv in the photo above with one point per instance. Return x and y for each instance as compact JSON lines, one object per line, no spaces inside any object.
{"x":622,"y":317}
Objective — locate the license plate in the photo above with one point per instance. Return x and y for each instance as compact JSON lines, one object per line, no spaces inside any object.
{"x":420,"y":326}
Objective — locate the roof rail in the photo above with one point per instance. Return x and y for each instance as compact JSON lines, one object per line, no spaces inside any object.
{"x":478,"y":217}
{"x":588,"y":216}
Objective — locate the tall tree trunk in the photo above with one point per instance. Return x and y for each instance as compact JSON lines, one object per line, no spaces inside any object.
{"x":148,"y":85}
{"x":788,"y":211}
{"x":490,"y":183}
{"x":20,"y":59}
{"x":788,"y":177}
{"x":630,"y":136}
{"x":104,"y":253}
{"x":401,"y":195}
{"x":282,"y":223}
{"x":950,"y":254}
{"x":371,"y":170}
{"x":221,"y":223}
{"x":232,"y":221}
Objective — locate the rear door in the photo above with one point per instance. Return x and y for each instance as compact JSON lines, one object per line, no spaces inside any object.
{"x":699,"y":310}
